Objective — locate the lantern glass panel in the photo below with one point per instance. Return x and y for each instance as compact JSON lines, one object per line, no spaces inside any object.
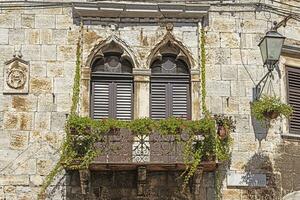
{"x":274,"y":45}
{"x":263,"y":50}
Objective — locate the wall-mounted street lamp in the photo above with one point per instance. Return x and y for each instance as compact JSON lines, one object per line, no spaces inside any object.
{"x":270,"y":48}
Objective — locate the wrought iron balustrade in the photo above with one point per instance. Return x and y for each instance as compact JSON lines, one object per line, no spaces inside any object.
{"x":124,"y":147}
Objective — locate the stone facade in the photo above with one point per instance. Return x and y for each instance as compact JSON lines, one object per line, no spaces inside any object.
{"x":32,"y":123}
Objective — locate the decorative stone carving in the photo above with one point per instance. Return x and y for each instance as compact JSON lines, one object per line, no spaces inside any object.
{"x":112,"y":44}
{"x":169,"y":27}
{"x":170,"y":45}
{"x":16,"y":75}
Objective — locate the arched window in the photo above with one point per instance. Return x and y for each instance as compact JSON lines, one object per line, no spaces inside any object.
{"x":170,"y":85}
{"x":111,"y":84}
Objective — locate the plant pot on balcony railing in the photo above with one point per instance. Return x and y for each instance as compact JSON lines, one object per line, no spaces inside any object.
{"x":271,"y":114}
{"x":209,"y":158}
{"x":222,"y":132}
{"x":225,"y":125}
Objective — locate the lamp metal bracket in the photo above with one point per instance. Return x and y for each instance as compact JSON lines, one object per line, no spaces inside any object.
{"x":259,"y":87}
{"x":282,"y":22}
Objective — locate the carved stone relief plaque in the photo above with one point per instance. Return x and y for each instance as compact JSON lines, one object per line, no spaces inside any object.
{"x":16,"y":76}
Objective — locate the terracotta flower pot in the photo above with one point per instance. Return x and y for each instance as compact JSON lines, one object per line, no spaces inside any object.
{"x":73,"y":131}
{"x":222,"y":132}
{"x":209,"y":158}
{"x":271,"y":114}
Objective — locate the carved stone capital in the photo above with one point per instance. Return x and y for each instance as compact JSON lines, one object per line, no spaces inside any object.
{"x":141,"y":72}
{"x":86,"y":73}
{"x":141,"y":75}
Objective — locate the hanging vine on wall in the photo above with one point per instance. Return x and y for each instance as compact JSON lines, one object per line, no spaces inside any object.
{"x":203,"y":70}
{"x":67,"y":155}
{"x":76,"y":86}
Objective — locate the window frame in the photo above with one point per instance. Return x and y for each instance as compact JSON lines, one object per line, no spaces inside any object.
{"x":289,"y":57}
{"x":170,"y":79}
{"x":288,"y":69}
{"x":113,"y":79}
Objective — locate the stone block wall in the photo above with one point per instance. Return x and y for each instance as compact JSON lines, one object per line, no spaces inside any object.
{"x":32,"y":125}
{"x":234,"y":66}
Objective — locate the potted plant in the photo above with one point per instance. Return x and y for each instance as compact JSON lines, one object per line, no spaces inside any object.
{"x":225,"y":125}
{"x":270,"y":107}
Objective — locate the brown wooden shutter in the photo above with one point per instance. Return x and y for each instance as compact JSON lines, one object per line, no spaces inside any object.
{"x":159,"y":100}
{"x":169,"y":99}
{"x":101,"y":100}
{"x":170,"y":89}
{"x":123,"y":101}
{"x":293,"y":88}
{"x":180,"y":94}
{"x":112,"y":100}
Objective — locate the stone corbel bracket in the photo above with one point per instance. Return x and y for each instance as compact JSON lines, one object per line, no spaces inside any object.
{"x":142,"y":178}
{"x":85,"y":181}
{"x":16,"y":76}
{"x":197,"y":180}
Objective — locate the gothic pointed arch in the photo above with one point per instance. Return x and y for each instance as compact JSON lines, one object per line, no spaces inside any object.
{"x":109,"y":45}
{"x":170,"y":45}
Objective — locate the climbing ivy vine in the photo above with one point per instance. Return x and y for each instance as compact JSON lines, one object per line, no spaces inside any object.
{"x":76,"y":86}
{"x":203,"y":70}
{"x":67,"y":155}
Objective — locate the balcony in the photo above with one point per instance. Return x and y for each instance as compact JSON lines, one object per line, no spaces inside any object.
{"x":121,"y":150}
{"x":144,"y":148}
{"x":124,"y":151}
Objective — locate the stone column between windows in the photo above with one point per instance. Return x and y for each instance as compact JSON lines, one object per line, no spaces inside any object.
{"x":84,"y":100}
{"x":195,"y":94}
{"x":141,"y":92}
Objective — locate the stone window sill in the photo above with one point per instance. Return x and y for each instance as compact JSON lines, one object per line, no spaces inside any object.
{"x":289,"y":136}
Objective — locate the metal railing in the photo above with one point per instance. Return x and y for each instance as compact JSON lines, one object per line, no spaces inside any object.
{"x":123,"y":147}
